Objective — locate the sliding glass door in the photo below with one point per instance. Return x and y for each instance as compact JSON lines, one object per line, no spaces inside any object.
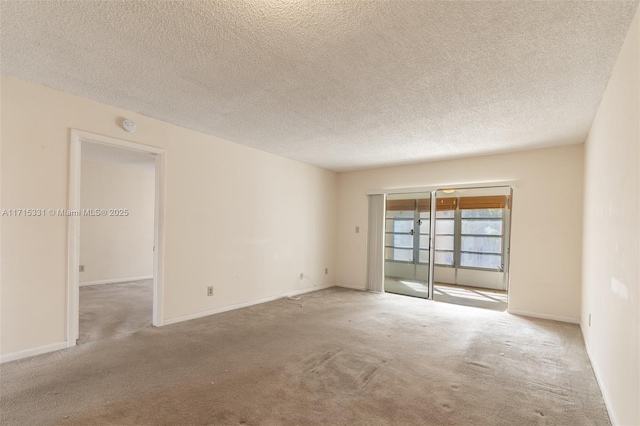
{"x":472,"y":237}
{"x":407,"y":236}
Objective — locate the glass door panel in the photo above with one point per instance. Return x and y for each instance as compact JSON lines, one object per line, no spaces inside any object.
{"x":407,"y":226}
{"x":471,"y":247}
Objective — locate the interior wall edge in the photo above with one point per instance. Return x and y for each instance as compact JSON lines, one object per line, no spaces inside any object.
{"x":26,"y":353}
{"x":518,"y":312}
{"x":610,"y":284}
{"x":243,"y":305}
{"x":352,"y":286}
{"x":605,"y":394}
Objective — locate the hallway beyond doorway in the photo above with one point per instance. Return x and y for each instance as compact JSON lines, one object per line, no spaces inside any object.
{"x":112,"y":310}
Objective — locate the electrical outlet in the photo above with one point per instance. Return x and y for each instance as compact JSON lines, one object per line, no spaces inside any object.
{"x":326,"y":271}
{"x":81,"y":268}
{"x":301,"y":275}
{"x":357,"y":229}
{"x":210,"y":290}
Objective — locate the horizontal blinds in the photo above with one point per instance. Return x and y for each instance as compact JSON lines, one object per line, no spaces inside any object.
{"x":464,"y":203}
{"x":424,"y":205}
{"x":446,"y":204}
{"x":401,"y":205}
{"x":489,"y":202}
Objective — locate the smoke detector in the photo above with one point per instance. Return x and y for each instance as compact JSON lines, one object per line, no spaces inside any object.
{"x":129,"y":126}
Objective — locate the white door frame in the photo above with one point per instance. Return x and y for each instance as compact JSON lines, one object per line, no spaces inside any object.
{"x":73,"y":264}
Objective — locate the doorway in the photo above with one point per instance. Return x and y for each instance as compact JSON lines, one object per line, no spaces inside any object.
{"x":118,"y":294}
{"x":449,"y":245}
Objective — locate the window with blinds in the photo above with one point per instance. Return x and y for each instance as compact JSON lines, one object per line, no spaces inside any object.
{"x":481,"y":244}
{"x":481,"y":232}
{"x":407,"y":230}
{"x":469,"y":231}
{"x":398,"y":239}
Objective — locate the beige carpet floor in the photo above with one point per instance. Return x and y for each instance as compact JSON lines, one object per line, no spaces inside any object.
{"x":449,"y":293}
{"x":111,"y":310}
{"x":345,"y":357}
{"x":471,"y":296}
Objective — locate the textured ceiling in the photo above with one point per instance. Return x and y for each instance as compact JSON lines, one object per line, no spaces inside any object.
{"x":340,"y":84}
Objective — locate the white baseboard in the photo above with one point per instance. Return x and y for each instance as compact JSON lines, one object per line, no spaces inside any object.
{"x":242,"y":305}
{"x":26,"y":353}
{"x":63,"y":345}
{"x":544,"y":316}
{"x":605,"y":395}
{"x":354,"y":287}
{"x":116,"y":280}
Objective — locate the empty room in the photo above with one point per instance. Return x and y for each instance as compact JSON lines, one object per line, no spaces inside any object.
{"x":270,"y":212}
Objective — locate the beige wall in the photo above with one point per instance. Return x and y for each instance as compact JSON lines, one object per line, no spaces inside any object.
{"x":546,"y":233}
{"x":116,"y":247}
{"x":242,"y":220}
{"x":611,"y":279}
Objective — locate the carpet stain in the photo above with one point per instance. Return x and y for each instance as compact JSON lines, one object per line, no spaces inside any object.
{"x":316,"y":363}
{"x":556,"y":390}
{"x":340,"y":371}
{"x":367,"y":374}
{"x":479,"y":364}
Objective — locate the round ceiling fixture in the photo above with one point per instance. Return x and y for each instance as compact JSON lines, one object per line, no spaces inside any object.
{"x":129,"y":126}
